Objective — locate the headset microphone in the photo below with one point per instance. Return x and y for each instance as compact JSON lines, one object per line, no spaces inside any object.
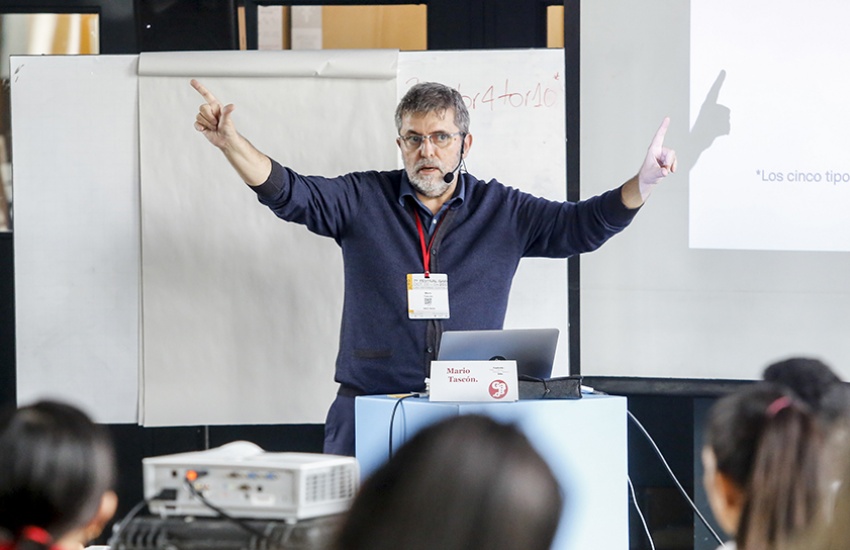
{"x":450,"y":175}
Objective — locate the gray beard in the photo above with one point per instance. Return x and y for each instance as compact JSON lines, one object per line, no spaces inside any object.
{"x":428,"y":187}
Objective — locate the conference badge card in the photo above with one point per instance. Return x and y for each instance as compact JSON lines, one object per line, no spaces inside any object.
{"x":428,"y":296}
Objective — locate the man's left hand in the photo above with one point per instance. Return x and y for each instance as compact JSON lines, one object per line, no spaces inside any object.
{"x":659,"y":162}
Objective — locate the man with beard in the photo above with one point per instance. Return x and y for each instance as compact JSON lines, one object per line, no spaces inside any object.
{"x":425,"y":241}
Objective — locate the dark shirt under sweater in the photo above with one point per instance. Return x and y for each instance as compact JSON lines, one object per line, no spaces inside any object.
{"x":478,"y":244}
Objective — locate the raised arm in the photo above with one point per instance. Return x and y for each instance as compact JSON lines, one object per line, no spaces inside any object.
{"x":214,"y":121}
{"x":659,"y":162}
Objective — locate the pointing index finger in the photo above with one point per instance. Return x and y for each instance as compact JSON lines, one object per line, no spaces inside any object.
{"x":658,"y":140}
{"x":207,"y":95}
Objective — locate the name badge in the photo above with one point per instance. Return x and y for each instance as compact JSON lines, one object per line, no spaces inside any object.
{"x":474,"y":381}
{"x":428,"y":297}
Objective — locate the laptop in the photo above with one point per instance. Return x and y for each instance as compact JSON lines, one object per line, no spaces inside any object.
{"x":533,"y":349}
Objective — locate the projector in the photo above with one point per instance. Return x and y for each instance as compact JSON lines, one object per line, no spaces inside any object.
{"x":245,"y":481}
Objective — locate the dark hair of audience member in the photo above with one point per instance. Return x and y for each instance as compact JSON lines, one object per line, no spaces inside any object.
{"x":832,"y":531}
{"x":810,"y":379}
{"x":768,"y":443}
{"x":56,"y":465}
{"x":467,"y":482}
{"x":827,"y":396}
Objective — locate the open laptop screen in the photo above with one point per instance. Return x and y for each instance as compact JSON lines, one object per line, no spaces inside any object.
{"x":533,"y":349}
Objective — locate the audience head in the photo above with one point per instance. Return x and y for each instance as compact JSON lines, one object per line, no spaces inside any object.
{"x":466,"y":482}
{"x":432,"y":97}
{"x":762,"y":458}
{"x":812,"y":381}
{"x":57,"y":471}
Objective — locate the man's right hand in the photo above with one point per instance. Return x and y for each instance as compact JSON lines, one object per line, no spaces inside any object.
{"x":213,"y":120}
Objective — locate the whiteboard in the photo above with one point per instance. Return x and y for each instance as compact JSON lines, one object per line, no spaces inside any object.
{"x":651,"y":306}
{"x":77,"y":264}
{"x":240,"y":307}
{"x":191,"y":373}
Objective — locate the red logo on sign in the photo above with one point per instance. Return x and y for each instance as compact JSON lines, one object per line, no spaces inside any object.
{"x":498,"y":389}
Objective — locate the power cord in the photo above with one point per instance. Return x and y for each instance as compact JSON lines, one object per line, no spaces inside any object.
{"x":640,"y":513}
{"x":171,"y":494}
{"x":165,"y":494}
{"x":588,"y":389}
{"x":674,"y":478}
{"x":197,"y":494}
{"x":392,"y":420}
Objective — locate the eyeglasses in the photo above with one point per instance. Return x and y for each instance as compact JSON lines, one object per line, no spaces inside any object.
{"x":438,"y":139}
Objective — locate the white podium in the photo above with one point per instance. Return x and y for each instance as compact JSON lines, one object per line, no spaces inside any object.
{"x":582,"y":440}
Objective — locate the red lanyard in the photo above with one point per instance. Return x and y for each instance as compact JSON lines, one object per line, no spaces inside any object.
{"x":426,"y":250}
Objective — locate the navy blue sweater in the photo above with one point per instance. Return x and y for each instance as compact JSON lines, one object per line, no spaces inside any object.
{"x":478,"y":244}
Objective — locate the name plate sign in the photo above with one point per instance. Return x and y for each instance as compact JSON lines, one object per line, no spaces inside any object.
{"x":474,"y":381}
